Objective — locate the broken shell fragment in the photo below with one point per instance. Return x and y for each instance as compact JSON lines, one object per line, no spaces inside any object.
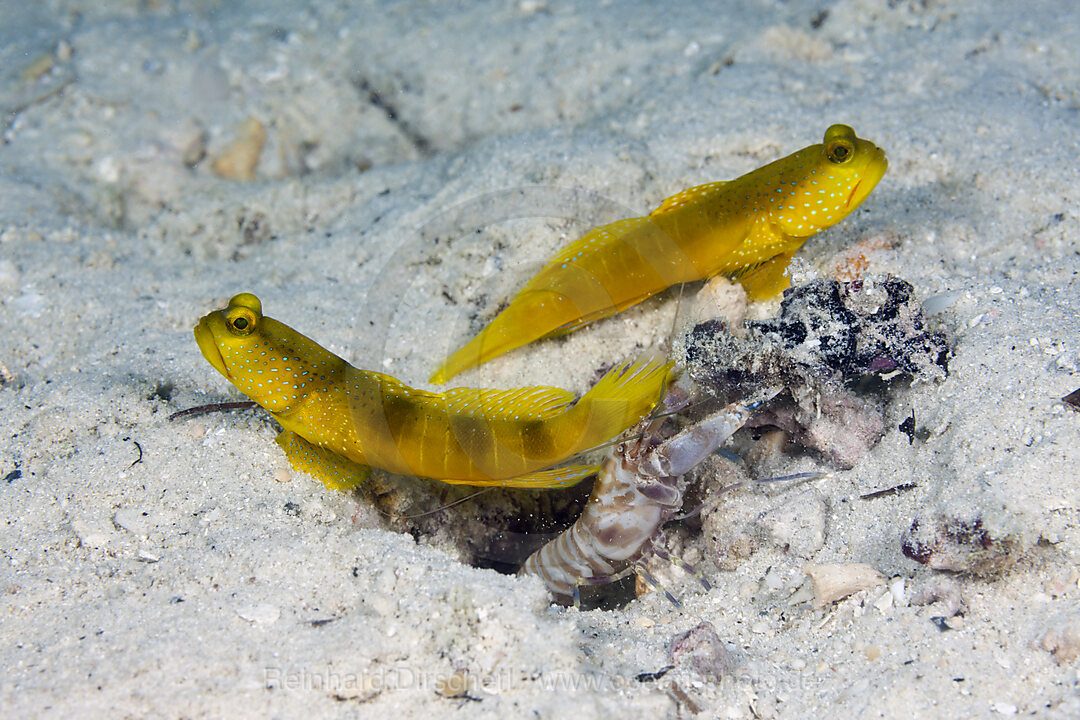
{"x":835,"y":581}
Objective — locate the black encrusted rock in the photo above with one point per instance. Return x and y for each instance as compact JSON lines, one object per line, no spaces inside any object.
{"x":826,"y":334}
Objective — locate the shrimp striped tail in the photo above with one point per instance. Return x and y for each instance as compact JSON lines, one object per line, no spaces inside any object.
{"x":625,"y":395}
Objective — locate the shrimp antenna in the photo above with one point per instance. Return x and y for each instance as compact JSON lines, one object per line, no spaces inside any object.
{"x":713,"y":502}
{"x":611,"y":443}
{"x":815,"y":475}
{"x":213,"y":407}
{"x":691,"y":406}
{"x":438,"y":509}
{"x":675,"y":317}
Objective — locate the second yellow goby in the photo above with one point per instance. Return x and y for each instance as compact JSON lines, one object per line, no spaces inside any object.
{"x":747,"y":228}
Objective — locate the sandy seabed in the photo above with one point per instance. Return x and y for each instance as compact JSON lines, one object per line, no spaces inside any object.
{"x":384,"y":176}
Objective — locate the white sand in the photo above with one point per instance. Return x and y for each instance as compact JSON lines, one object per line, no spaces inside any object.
{"x":187,"y":584}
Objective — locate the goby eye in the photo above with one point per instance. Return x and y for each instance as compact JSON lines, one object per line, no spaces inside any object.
{"x":839,"y":144}
{"x":241,"y":321}
{"x":839,"y":151}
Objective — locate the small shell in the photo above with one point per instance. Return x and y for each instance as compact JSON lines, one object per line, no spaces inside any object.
{"x":350,"y":685}
{"x":721,"y":298}
{"x":965,"y":539}
{"x":836,"y":581}
{"x":6,"y":376}
{"x":941,"y":591}
{"x":39,"y":67}
{"x":238,"y":160}
{"x":855,"y":261}
{"x":455,"y":686}
{"x":92,"y":534}
{"x":1062,"y":640}
{"x":261,"y":614}
{"x":702,"y":649}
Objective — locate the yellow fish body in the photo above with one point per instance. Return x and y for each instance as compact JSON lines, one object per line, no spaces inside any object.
{"x":339,"y":420}
{"x":748,"y":227}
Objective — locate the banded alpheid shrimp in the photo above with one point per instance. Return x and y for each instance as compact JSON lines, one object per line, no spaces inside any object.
{"x":639,"y":489}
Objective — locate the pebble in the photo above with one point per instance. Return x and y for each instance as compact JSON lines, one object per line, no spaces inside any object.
{"x":360,"y":687}
{"x":91,"y":534}
{"x":262,"y":614}
{"x":721,"y":298}
{"x":798,"y":525}
{"x":1062,"y":640}
{"x":132,"y":521}
{"x":747,"y":590}
{"x":209,"y":81}
{"x":896,"y":587}
{"x":455,"y":686}
{"x":9,"y":276}
{"x":936,"y":303}
{"x":940,"y":589}
{"x":238,"y":160}
{"x":701,"y":649}
{"x":531,"y":7}
{"x":29,"y":304}
{"x":884,"y":603}
{"x":38,"y":68}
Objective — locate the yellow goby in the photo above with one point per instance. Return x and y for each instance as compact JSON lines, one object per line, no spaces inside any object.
{"x":747,"y":228}
{"x":339,"y":420}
